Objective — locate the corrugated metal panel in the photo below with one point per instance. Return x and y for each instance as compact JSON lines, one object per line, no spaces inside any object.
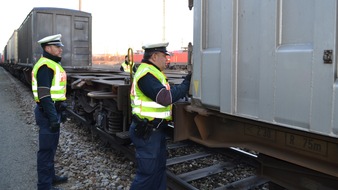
{"x":12,"y":48}
{"x":263,"y":60}
{"x":75,"y":27}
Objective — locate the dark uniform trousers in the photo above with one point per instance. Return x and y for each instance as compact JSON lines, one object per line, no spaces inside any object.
{"x":48,"y":143}
{"x":151,"y":157}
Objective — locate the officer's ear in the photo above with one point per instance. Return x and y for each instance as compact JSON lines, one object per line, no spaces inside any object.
{"x":47,"y":48}
{"x":153,"y":57}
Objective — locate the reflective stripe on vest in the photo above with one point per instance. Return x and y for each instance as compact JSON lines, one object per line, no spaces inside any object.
{"x":143,"y":106}
{"x":127,"y":67}
{"x":59,"y":82}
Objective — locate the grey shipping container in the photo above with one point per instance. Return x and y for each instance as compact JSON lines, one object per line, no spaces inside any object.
{"x":75,"y":27}
{"x":254,"y":59}
{"x":12,"y":48}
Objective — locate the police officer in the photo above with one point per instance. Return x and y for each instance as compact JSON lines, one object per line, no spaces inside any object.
{"x":49,"y":82}
{"x":127,"y":64}
{"x":151,"y":101}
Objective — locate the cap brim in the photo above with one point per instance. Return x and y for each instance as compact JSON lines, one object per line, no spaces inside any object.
{"x":165,"y":52}
{"x":54,"y":44}
{"x":59,"y":45}
{"x":158,"y":49}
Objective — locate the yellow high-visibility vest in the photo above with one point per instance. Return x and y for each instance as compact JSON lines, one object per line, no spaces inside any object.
{"x":126,"y":67}
{"x":59,"y":82}
{"x":142,"y":105}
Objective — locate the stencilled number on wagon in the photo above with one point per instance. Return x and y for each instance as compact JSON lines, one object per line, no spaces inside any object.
{"x":264,"y":132}
{"x":307,"y":144}
{"x":311,"y":144}
{"x":260,"y":132}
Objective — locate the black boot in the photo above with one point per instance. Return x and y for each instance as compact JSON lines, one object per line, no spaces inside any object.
{"x":59,"y":179}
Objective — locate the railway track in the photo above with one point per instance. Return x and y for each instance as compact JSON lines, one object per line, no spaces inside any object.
{"x":192,"y":166}
{"x":197,"y":167}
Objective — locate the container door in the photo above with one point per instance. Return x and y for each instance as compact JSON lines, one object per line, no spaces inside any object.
{"x":304,"y":69}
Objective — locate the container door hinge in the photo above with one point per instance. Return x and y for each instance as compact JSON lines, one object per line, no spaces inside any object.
{"x":327,"y":57}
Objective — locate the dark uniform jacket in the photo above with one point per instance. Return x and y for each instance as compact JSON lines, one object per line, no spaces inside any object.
{"x":44,"y":78}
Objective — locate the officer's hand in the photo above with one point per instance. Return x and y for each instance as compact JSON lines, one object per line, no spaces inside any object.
{"x":188,"y":77}
{"x":63,"y":106}
{"x":63,"y":116}
{"x":148,"y":131}
{"x":55,"y":127}
{"x":141,"y":127}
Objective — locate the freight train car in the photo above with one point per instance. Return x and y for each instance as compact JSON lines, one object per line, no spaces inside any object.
{"x":97,"y":96}
{"x":12,"y":48}
{"x":178,"y":59}
{"x":265,"y":78}
{"x":23,"y":51}
{"x":138,"y":55}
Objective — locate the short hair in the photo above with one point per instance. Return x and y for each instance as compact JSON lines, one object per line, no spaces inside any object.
{"x":147,"y":55}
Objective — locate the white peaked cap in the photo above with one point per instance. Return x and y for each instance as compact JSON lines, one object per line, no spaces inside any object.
{"x":51,"y":40}
{"x":158,"y":47}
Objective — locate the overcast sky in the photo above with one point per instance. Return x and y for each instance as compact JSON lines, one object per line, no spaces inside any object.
{"x":117,"y":24}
